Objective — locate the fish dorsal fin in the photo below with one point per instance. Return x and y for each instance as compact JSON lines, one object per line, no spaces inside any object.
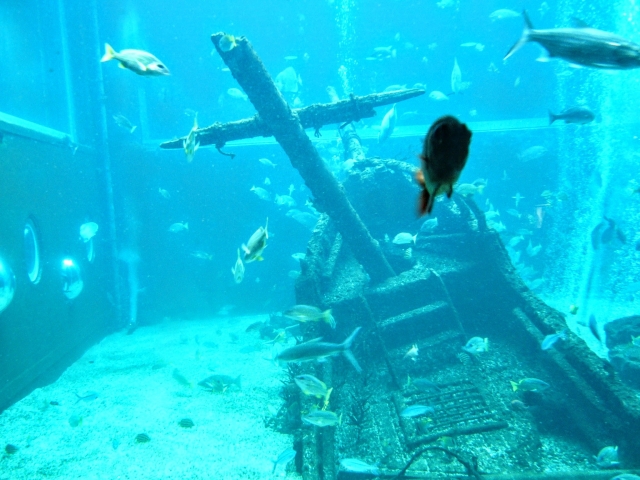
{"x":577,"y":23}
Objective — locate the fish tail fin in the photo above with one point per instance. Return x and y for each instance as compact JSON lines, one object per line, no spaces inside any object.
{"x":326,"y":398}
{"x":423,"y":201}
{"x":431,"y":198}
{"x":414,"y":238}
{"x":346,"y":350}
{"x":524,"y":38}
{"x":266,"y":226}
{"x":133,"y":129}
{"x":327,"y":317}
{"x":486,"y":344}
{"x":186,"y":226}
{"x":552,"y":117}
{"x":514,"y":385}
{"x":481,"y":188}
{"x":109,"y":53}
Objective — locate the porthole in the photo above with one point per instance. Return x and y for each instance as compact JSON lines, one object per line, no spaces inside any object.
{"x":32,"y":251}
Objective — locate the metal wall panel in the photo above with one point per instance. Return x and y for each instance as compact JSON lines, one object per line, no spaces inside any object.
{"x":42,"y":331}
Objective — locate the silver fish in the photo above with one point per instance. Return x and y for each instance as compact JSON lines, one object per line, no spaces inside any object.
{"x":87,"y":397}
{"x":179,"y":227}
{"x":191,"y":143}
{"x":607,"y":457}
{"x":322,"y":418}
{"x":256,"y":244}
{"x":416,"y":411}
{"x":317,"y":350}
{"x":124,"y":122}
{"x":503,"y":14}
{"x":138,"y":61}
{"x":88,"y":231}
{"x":238,"y":269}
{"x":584,"y":46}
{"x":457,"y":85}
{"x":358,"y":466}
{"x":388,"y":124}
{"x":285,"y":201}
{"x":550,"y":340}
{"x":261,"y":193}
{"x":283,"y":459}
{"x":267,"y":162}
{"x":237,"y":93}
{"x":310,"y":385}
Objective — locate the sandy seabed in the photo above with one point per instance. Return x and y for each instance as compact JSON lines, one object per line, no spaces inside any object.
{"x":133,"y":376}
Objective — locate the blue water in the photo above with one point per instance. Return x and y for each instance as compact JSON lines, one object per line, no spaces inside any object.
{"x":553,"y":185}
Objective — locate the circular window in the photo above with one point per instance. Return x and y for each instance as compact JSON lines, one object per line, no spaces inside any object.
{"x":73,"y":283}
{"x":32,"y":251}
{"x":7,"y":285}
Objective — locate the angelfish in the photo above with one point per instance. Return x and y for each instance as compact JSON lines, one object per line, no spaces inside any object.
{"x":444,"y":155}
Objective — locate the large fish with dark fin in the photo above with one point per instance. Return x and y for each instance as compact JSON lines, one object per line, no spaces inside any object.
{"x":443,"y":157}
{"x":317,"y":350}
{"x":584,"y":46}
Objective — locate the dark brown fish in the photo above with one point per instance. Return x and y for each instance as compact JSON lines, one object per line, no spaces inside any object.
{"x":10,"y":449}
{"x":443,"y":157}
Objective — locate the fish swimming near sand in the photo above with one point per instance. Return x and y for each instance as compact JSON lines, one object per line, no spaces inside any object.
{"x":444,"y":156}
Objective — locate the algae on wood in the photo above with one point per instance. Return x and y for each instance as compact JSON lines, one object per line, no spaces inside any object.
{"x":285,"y":125}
